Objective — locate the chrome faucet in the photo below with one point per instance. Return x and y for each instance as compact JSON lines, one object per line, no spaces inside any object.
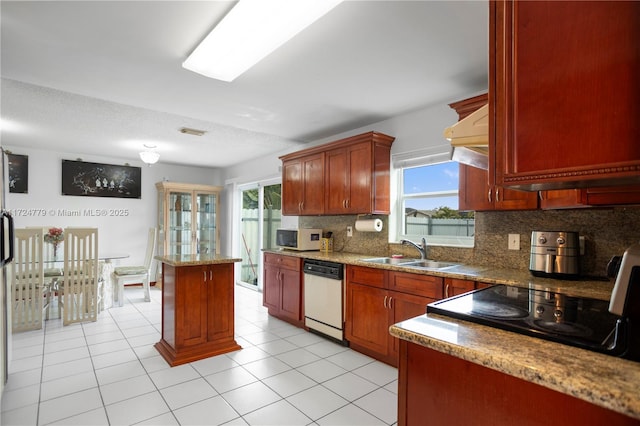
{"x":422,"y":248}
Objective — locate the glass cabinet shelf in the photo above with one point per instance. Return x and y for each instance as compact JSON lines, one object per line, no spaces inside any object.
{"x":187,"y":218}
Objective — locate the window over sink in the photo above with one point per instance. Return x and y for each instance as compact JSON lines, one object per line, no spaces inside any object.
{"x":428,"y":203}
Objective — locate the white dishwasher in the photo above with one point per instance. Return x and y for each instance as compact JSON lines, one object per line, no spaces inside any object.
{"x":324,"y":298}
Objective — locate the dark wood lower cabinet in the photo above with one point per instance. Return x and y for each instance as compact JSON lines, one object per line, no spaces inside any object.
{"x":439,"y":389}
{"x":282,"y":292}
{"x":377,"y":299}
{"x":197,"y":312}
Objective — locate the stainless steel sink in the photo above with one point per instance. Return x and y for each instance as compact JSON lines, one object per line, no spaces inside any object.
{"x":391,"y":260}
{"x":411,"y":263}
{"x":430,"y":264}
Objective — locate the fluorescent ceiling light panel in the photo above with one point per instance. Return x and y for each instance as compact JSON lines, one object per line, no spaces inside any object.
{"x":250,"y":31}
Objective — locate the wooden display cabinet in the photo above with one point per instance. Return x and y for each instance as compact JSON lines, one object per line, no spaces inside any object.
{"x":188,"y":220}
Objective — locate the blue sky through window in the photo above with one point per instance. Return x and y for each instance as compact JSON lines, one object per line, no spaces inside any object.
{"x":432,"y":178}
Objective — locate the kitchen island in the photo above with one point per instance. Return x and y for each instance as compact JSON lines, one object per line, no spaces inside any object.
{"x":197,"y":307}
{"x":484,"y":375}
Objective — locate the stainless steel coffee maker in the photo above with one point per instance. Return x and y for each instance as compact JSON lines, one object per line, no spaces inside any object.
{"x":554,"y":254}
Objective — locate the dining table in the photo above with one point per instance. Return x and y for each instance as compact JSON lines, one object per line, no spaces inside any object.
{"x":54,"y":270}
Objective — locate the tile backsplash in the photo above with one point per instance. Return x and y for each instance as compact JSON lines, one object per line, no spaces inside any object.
{"x":607,"y":232}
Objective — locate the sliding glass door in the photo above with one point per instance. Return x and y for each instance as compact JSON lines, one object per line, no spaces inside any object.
{"x":259,"y":218}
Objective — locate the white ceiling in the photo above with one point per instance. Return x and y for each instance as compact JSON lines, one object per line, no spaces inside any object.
{"x":104,"y":77}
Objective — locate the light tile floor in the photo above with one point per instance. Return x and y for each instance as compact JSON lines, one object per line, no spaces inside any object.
{"x":108,"y":372}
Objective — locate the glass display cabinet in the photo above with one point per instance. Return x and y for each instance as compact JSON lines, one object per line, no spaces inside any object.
{"x":188,"y":218}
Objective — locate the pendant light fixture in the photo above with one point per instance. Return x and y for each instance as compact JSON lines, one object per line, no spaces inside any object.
{"x":149,"y":156}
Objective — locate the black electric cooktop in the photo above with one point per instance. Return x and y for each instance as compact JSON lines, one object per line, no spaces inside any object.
{"x":576,"y":321}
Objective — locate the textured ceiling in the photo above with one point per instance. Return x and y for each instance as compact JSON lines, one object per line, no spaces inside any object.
{"x":104,"y":78}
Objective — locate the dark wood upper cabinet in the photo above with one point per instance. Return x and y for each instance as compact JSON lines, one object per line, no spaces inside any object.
{"x":566,"y":93}
{"x":477,"y":189}
{"x":349,"y":176}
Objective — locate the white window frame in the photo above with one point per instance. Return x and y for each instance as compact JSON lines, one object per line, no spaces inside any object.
{"x":239,"y":188}
{"x":426,"y":157}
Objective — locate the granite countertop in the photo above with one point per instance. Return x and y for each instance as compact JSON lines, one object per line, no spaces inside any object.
{"x":196,"y":259}
{"x":597,"y":289}
{"x":603,"y":380}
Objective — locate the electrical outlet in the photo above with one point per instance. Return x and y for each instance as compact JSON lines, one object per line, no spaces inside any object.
{"x":514,"y":241}
{"x":349,"y":231}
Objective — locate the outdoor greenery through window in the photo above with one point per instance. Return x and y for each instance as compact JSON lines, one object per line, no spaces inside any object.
{"x":261,"y":216}
{"x":429,"y":203}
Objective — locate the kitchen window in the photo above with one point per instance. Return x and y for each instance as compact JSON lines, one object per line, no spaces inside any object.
{"x":428,"y":202}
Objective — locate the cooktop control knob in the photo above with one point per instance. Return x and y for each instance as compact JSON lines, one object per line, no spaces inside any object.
{"x":557,"y":313}
{"x":539,"y":309}
{"x":560,"y":240}
{"x":542,"y":239}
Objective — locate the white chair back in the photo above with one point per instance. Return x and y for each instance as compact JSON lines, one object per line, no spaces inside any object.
{"x":134,"y":273}
{"x":81,"y":281}
{"x":29,"y":295}
{"x":151,"y":246}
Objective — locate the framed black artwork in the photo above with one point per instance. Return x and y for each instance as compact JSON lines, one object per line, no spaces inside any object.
{"x":18,"y":173}
{"x":100,"y":180}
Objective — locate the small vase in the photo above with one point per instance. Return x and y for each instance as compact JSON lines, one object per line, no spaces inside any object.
{"x":55,"y":252}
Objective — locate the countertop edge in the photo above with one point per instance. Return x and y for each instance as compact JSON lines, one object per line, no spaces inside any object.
{"x":603,"y":380}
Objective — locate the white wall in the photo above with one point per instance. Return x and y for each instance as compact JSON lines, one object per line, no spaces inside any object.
{"x":415,"y":132}
{"x":121,"y":234}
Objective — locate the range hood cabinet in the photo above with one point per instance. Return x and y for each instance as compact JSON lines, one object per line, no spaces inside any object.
{"x":469,"y":139}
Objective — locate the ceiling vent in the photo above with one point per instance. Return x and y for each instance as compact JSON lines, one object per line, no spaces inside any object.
{"x":194,"y":132}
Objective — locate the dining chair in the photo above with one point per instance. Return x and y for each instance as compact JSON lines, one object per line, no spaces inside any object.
{"x":79,"y":292}
{"x":52,"y":269}
{"x":137,"y":273}
{"x":31,"y":295}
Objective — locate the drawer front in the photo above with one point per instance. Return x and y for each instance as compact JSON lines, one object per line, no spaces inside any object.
{"x":288,"y":262}
{"x":417,"y":284}
{"x":367,"y":276}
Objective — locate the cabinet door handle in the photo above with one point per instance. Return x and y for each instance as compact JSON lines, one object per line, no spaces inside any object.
{"x":205,"y":275}
{"x":489,"y":195}
{"x":210,"y":274}
{"x":497,"y":195}
{"x":390,"y":301}
{"x":446,"y":291}
{"x":384,"y":303}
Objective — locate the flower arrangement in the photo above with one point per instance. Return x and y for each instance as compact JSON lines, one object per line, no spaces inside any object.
{"x":55,"y":236}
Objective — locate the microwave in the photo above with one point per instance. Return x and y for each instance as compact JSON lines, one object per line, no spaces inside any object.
{"x":299,"y":239}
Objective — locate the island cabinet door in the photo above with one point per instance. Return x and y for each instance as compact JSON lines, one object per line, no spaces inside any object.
{"x":218,"y":280}
{"x":405,"y":306}
{"x":191,"y":306}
